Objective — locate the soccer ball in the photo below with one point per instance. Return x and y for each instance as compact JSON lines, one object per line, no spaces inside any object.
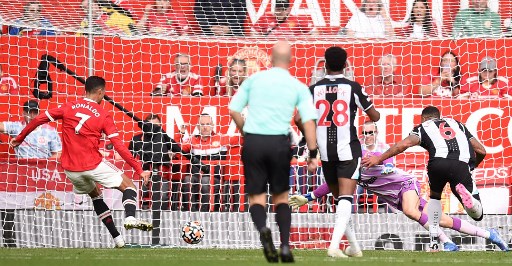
{"x":192,"y":232}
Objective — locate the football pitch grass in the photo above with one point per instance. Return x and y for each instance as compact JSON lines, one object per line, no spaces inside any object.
{"x":224,"y":257}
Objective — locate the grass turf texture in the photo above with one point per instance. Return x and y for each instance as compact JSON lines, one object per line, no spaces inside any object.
{"x":223,"y":257}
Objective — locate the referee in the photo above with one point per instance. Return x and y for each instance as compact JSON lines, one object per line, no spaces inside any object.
{"x":272,"y":97}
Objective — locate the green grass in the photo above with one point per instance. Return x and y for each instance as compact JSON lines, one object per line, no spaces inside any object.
{"x":222,"y":257}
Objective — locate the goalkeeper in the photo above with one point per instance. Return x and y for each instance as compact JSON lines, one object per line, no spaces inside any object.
{"x":401,"y":191}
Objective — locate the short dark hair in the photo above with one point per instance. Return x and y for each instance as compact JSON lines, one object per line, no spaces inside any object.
{"x":431,"y":111}
{"x":335,"y":58}
{"x":151,"y":117}
{"x":94,"y":83}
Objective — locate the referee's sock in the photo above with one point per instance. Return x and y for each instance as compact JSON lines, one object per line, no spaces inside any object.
{"x":343,"y":213}
{"x":103,"y":212}
{"x":259,"y":216}
{"x":129,"y":201}
{"x":284,"y":220}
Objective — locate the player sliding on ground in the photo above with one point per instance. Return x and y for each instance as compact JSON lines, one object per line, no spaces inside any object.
{"x":401,"y":191}
{"x":83,"y":122}
{"x":453,"y":154}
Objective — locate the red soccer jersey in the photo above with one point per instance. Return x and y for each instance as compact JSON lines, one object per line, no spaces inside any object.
{"x":8,"y":86}
{"x":174,"y":86}
{"x":223,"y":85}
{"x":268,"y":25}
{"x":167,"y":24}
{"x":497,"y":90}
{"x":212,"y":145}
{"x":83,"y":121}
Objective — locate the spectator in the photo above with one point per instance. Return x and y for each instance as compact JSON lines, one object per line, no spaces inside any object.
{"x":160,"y":19}
{"x":206,"y":146}
{"x":371,"y":21}
{"x":282,"y":23}
{"x":488,"y":84}
{"x":7,"y":84}
{"x":388,"y":83}
{"x":43,"y":142}
{"x":108,"y":18}
{"x":221,"y":17}
{"x":181,"y":82}
{"x":420,"y":25}
{"x":447,"y":81}
{"x":237,"y":73}
{"x":32,"y":21}
{"x":478,"y":20}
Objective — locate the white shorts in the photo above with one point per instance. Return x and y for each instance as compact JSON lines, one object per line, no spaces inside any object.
{"x":106,"y":174}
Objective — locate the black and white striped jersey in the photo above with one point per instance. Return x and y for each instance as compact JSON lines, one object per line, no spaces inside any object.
{"x":446,"y":138}
{"x":336,"y":100}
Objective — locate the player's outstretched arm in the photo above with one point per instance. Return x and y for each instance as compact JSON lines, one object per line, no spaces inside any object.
{"x":479,"y":150}
{"x":399,"y":147}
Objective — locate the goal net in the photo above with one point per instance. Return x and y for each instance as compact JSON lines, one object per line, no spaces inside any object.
{"x":185,"y":61}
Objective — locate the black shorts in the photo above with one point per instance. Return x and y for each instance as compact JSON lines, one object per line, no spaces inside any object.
{"x":266,"y":160}
{"x":441,"y":171}
{"x":341,"y":169}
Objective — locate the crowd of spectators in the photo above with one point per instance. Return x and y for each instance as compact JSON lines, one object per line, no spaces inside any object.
{"x":230,"y":18}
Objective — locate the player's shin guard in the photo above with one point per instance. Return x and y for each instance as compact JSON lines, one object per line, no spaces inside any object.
{"x":434,"y":216}
{"x":424,"y":222}
{"x":103,"y":212}
{"x":130,"y":201}
{"x":259,"y":216}
{"x":284,"y":221}
{"x":343,"y":213}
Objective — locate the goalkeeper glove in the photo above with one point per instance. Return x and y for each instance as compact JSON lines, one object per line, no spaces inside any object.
{"x":297,"y":201}
{"x":389,"y":168}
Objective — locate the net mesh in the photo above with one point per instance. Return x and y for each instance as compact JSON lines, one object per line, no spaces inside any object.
{"x":134,"y":45}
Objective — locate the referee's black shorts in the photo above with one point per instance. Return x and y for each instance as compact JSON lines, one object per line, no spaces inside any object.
{"x":266,"y":160}
{"x":441,"y":171}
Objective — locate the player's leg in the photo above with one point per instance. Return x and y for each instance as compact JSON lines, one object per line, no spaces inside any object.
{"x":83,"y":184}
{"x":108,"y":175}
{"x":463,"y":187}
{"x":437,"y":170}
{"x":413,"y":207}
{"x":105,"y":215}
{"x":256,"y":180}
{"x":347,"y":173}
{"x":279,"y":165}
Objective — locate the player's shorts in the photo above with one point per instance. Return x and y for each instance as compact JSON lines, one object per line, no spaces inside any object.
{"x":441,"y":171}
{"x":266,"y":160}
{"x":408,"y":186}
{"x":106,"y":174}
{"x":341,"y":169}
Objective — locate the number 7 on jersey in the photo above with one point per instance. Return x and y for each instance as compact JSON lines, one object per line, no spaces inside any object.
{"x":83,"y":118}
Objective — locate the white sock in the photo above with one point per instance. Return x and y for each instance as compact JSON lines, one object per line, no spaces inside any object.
{"x":434,"y":217}
{"x":343,"y":212}
{"x":477,"y":210}
{"x":443,"y":238}
{"x":350,"y":233}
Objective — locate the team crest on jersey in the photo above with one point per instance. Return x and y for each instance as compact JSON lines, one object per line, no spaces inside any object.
{"x":255,"y":58}
{"x":215,"y":144}
{"x":42,"y":140}
{"x":3,"y":88}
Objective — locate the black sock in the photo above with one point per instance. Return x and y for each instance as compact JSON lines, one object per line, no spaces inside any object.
{"x":284,"y":221}
{"x":129,"y":201}
{"x":105,"y":215}
{"x":259,"y":216}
